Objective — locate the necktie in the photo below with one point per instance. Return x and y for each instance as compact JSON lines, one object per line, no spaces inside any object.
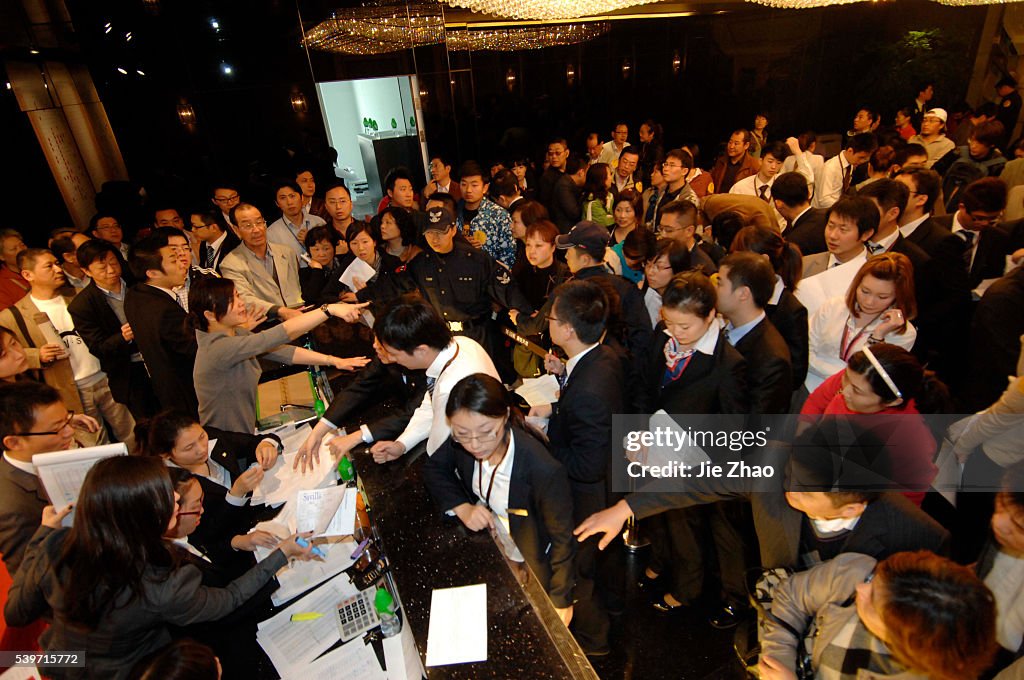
{"x":763,"y":193}
{"x":207,"y":255}
{"x":875,"y":248}
{"x":430,"y":386}
{"x":968,"y":237}
{"x":846,"y":178}
{"x":562,"y":378}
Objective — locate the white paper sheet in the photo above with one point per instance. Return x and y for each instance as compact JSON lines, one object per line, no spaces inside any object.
{"x":815,"y":290}
{"x":357,"y":268}
{"x":281,"y":483}
{"x":298,"y":577}
{"x":292,"y":645}
{"x":352,"y":660}
{"x":62,"y":472}
{"x":539,"y":391}
{"x":458,"y":625}
{"x":326,"y":512}
{"x":401,"y":657}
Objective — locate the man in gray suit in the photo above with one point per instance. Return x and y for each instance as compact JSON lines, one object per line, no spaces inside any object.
{"x":33,"y":419}
{"x":266,"y":274}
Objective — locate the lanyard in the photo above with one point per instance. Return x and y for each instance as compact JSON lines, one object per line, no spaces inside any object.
{"x":844,"y":348}
{"x":494,"y":473}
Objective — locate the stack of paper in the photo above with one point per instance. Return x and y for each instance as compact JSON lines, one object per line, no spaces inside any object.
{"x":282,"y":482}
{"x":539,"y":391}
{"x":326,"y":512}
{"x":292,"y":645}
{"x":298,"y":577}
{"x":62,"y":472}
{"x":353,"y":659}
{"x":457,"y":632}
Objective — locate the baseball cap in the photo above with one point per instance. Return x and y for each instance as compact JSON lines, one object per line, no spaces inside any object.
{"x":438,"y":218}
{"x":590,"y":236}
{"x":938,"y":113}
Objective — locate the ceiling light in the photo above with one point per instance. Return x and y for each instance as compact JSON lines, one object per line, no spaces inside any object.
{"x":122,"y":71}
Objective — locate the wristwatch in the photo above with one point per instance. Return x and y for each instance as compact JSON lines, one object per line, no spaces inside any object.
{"x":326,"y":309}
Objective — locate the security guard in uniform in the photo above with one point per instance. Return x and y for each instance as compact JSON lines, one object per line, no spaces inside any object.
{"x":461,"y":281}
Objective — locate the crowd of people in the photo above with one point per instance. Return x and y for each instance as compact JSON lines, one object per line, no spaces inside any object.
{"x":880,"y":283}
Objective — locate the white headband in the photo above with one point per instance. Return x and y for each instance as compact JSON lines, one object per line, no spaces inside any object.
{"x":881,"y":371}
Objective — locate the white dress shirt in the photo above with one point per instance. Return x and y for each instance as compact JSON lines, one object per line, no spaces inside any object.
{"x":652,"y":301}
{"x":497,"y":500}
{"x":831,"y":188}
{"x":825,"y":338}
{"x":957,"y":227}
{"x":429,"y":420}
{"x":571,"y":363}
{"x":910,"y":227}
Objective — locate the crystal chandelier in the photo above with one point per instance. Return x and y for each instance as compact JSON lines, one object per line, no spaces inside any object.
{"x":525,"y":38}
{"x":545,"y":10}
{"x":805,"y":4}
{"x":377,"y":29}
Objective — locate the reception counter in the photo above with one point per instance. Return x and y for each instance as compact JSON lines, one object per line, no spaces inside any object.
{"x":525,"y":637}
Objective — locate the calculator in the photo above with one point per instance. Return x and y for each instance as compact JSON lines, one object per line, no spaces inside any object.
{"x":356,"y":614}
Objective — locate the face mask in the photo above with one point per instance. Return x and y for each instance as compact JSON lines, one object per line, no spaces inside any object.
{"x":833,"y":526}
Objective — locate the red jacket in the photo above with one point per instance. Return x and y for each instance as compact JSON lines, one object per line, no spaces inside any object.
{"x":748,"y":167}
{"x":12,"y":287}
{"x":911,"y":444}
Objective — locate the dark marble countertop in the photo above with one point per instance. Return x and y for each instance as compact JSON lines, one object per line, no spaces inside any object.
{"x":525,"y":638}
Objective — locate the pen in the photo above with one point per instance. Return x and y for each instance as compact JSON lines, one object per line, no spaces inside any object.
{"x":360,"y":548}
{"x":306,"y":616}
{"x":303,"y":543}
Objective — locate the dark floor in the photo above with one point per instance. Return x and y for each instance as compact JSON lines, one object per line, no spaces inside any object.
{"x":653,"y":646}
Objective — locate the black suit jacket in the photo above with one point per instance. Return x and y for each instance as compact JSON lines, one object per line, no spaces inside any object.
{"x":539,"y":502}
{"x":769,"y":368}
{"x":230,"y":243}
{"x":989,"y":256}
{"x":566,"y":203}
{"x":235,"y":452}
{"x":22,"y":499}
{"x":790,"y":319}
{"x":100,"y":329}
{"x":377,"y":383}
{"x":890,"y":524}
{"x":808,"y":232}
{"x":580,"y":428}
{"x":709,"y":385}
{"x":167,"y":344}
{"x":996,"y":329}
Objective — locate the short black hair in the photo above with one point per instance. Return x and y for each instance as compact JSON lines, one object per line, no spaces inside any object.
{"x":473,"y":169}
{"x":322,"y":233}
{"x":99,"y":216}
{"x":889,"y":193}
{"x":445,"y":159}
{"x":584,"y":306}
{"x":633,"y":149}
{"x":284,"y":182}
{"x":987,"y":193}
{"x":504,"y":184}
{"x":574,"y":163}
{"x":395,"y":175}
{"x":778,"y":150}
{"x":691,"y":292}
{"x":209,"y":294}
{"x":337,"y":183}
{"x":242,"y":206}
{"x":61,"y":247}
{"x":791,"y":188}
{"x":211,"y":217}
{"x":94,"y":249}
{"x":448,"y":200}
{"x":902,"y":155}
{"x":145,"y":255}
{"x":410,"y":322}
{"x":861,"y":210}
{"x":1007,"y":81}
{"x":18,"y":404}
{"x":862,"y":142}
{"x":755,"y":272}
{"x":27,"y":258}
{"x":357,"y":227}
{"x":926,"y":181}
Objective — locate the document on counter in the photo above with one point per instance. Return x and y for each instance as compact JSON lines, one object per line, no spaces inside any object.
{"x":326,"y":512}
{"x":401,"y":657}
{"x":357,"y":268}
{"x":62,"y":472}
{"x":282,"y":482}
{"x":293,"y":645}
{"x":354,"y":659}
{"x":457,"y":632}
{"x":539,"y":391}
{"x":298,"y":577}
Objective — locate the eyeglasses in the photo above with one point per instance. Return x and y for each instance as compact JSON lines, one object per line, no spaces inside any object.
{"x":252,"y":225}
{"x":482,"y":439}
{"x":225,"y":199}
{"x":984,"y":219}
{"x":52,"y":433}
{"x":202,"y":498}
{"x":672,"y":165}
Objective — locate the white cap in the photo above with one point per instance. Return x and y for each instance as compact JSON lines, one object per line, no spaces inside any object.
{"x":938,"y":113}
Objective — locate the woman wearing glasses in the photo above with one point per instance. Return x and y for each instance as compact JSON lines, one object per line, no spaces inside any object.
{"x":494,"y":472}
{"x":110,"y":584}
{"x":227,"y":370}
{"x":228,"y":471}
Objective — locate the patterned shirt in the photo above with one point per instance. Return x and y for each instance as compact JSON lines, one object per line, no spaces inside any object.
{"x":495,"y":222}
